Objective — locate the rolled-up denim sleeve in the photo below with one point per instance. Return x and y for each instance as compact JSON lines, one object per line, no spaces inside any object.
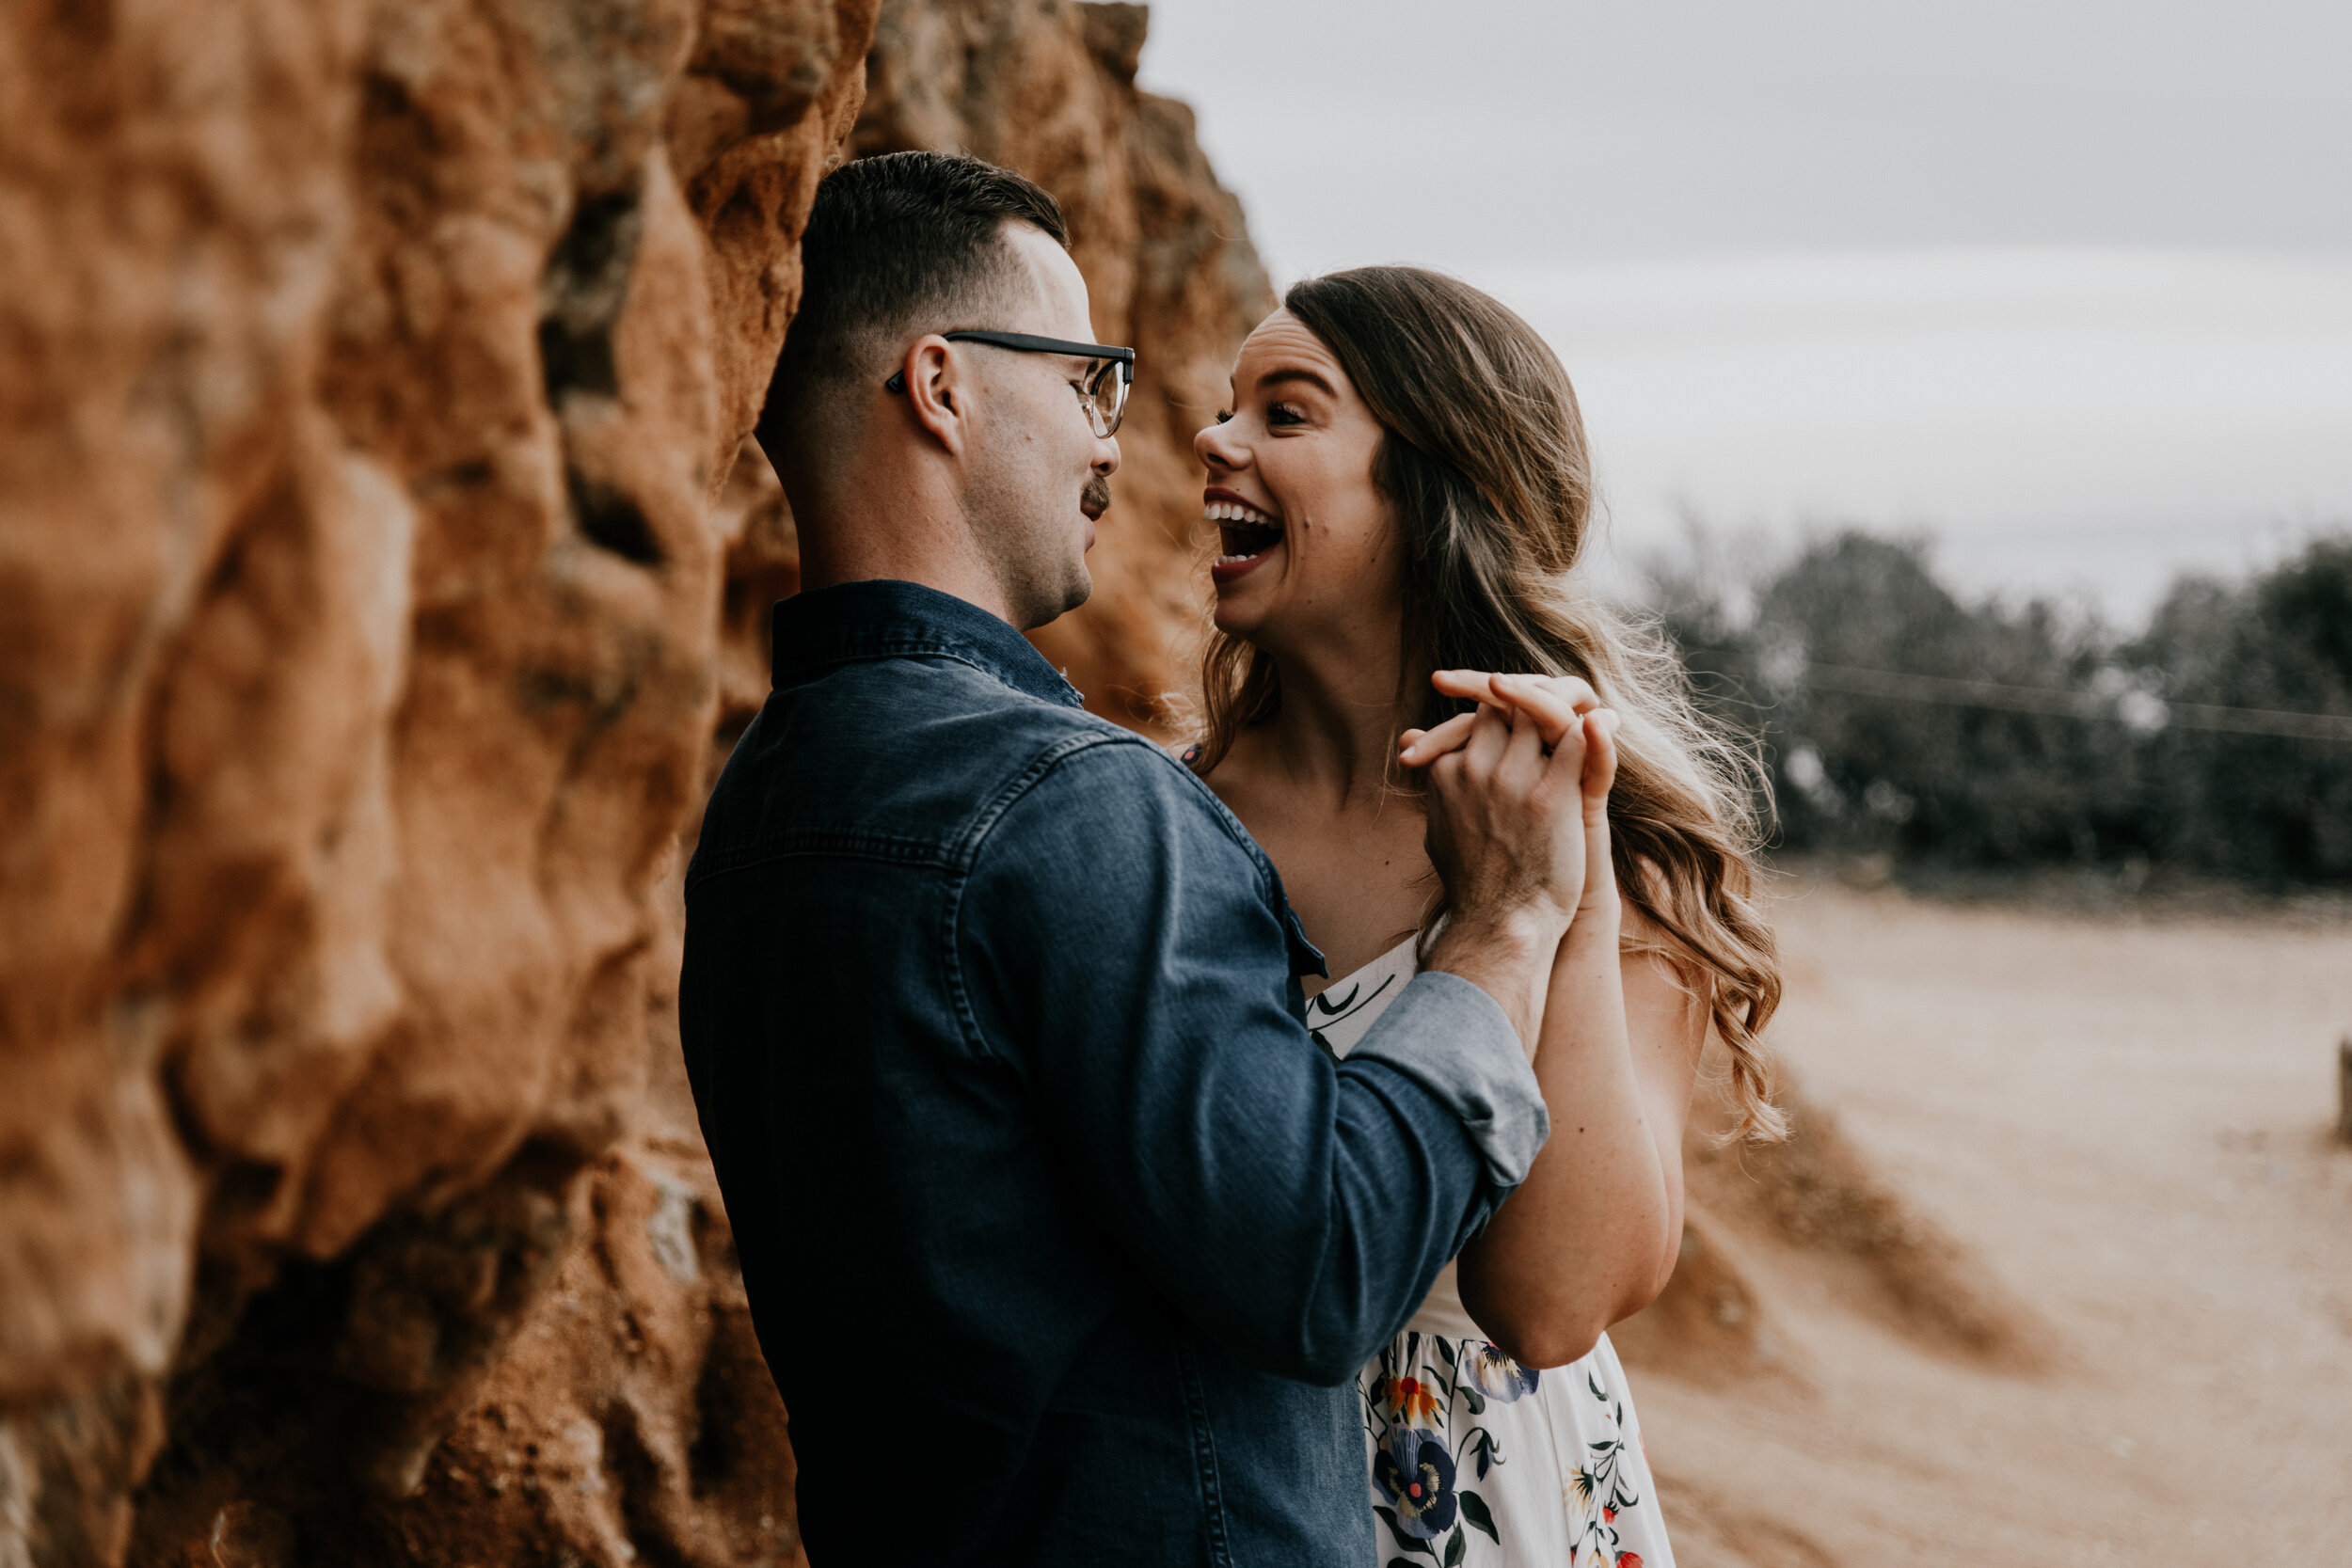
{"x":1456,"y":1042}
{"x":1117,"y":943}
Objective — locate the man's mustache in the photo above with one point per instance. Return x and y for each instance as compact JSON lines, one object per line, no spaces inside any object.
{"x":1095,"y":499}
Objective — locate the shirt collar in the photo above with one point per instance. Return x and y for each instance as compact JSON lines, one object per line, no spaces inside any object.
{"x":885,"y":619}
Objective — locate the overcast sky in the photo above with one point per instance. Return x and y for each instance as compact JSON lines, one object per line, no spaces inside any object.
{"x":1518,"y":131}
{"x":2067,"y":285}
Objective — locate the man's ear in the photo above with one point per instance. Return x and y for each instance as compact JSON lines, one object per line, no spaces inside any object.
{"x":931,"y":376}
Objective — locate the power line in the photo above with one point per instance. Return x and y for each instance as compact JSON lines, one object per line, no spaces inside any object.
{"x":2139,"y":710}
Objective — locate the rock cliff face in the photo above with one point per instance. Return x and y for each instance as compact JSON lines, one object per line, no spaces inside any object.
{"x":381,"y":583}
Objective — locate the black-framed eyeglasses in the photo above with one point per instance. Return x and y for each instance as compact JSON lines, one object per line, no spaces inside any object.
{"x":1104,"y":392}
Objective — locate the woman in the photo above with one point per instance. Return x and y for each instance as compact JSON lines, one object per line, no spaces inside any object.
{"x":1403,"y":491}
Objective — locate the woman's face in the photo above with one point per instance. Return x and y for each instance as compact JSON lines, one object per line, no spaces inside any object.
{"x":1309,"y":542}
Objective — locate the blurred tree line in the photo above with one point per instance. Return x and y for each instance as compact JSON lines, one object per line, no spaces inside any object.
{"x":1894,"y":718}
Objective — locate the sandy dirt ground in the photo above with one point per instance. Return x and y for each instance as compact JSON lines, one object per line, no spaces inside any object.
{"x":2126,"y":1120}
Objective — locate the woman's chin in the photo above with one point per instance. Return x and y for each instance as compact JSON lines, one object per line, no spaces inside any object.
{"x":1235,"y":617}
{"x":1255,"y":618}
{"x":1243,"y":599}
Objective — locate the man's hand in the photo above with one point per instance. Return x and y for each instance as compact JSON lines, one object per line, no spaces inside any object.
{"x":1557,"y":702}
{"x":1507,"y":826}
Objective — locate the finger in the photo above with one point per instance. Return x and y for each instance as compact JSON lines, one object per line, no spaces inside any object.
{"x":1538,"y":698}
{"x":1575,"y":690}
{"x":1600,"y":756}
{"x":1481,"y":687}
{"x":1421,"y":747}
{"x":1522,"y":763}
{"x":1490,"y":733}
{"x":1445,"y":773}
{"x":1474,"y":685}
{"x":1565,"y":772}
{"x":1600,"y":768}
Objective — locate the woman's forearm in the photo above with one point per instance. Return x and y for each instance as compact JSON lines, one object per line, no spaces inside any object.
{"x":1592,"y":1234}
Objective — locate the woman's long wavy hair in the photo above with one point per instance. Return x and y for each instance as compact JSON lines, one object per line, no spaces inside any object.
{"x":1485,"y":465}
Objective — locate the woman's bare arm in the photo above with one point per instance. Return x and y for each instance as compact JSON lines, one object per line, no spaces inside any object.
{"x":1593,"y":1234}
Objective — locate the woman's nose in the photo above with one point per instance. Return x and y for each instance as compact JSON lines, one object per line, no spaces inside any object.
{"x":1213,"y":447}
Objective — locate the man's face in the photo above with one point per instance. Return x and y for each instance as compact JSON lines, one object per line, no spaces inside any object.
{"x":1037,"y":476}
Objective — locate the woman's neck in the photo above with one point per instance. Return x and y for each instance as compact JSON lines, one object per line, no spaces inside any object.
{"x":1333,"y":737}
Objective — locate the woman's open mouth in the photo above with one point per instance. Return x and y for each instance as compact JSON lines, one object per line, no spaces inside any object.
{"x":1248,"y":536}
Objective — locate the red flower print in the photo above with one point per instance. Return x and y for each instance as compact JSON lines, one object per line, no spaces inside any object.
{"x":1628,"y":1559}
{"x":1608,"y":1515}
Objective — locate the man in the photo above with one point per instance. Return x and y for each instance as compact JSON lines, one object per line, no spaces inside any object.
{"x":1064,"y":1240}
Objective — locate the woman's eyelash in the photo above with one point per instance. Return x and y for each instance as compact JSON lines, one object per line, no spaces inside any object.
{"x":1283,"y":413}
{"x":1223,"y":414}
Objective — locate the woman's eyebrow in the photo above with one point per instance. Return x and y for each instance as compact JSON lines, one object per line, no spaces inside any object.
{"x":1296,"y":372}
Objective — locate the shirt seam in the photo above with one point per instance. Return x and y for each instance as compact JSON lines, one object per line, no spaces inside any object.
{"x":1205,"y":1456}
{"x":982,"y":825}
{"x":875,"y":652}
{"x":887,"y":847}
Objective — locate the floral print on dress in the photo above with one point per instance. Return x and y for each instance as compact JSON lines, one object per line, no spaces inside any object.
{"x":1419,"y":1447}
{"x":1409,"y":1401}
{"x":1599,"y":1487}
{"x":1498,"y":1376}
{"x":1441,"y":1477}
{"x":1414,"y":1471}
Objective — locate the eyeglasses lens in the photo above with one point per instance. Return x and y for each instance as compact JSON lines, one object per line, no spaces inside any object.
{"x":1106,"y":397}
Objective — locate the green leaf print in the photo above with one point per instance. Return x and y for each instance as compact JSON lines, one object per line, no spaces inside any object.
{"x":1475,"y":1512}
{"x":1455,"y":1545}
{"x":1387,"y":1517}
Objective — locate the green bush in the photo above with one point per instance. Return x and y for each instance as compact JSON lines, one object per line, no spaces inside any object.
{"x":2070,"y":752}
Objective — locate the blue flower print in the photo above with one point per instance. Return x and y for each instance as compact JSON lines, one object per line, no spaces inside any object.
{"x":1416,"y":1474}
{"x":1499,"y":1378}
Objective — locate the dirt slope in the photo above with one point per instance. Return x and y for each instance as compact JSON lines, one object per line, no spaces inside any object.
{"x":2113,"y":1134}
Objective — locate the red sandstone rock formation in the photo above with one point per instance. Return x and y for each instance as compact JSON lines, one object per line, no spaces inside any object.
{"x":377,"y":569}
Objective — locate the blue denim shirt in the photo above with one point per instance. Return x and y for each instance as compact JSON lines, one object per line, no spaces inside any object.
{"x":1064,"y":1240}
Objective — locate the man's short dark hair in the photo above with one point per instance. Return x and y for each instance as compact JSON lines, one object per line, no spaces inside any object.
{"x":897,"y":245}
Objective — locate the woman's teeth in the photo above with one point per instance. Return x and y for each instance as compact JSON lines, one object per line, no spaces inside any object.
{"x":1248,"y":531}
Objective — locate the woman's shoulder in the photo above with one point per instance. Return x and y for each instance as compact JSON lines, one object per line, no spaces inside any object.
{"x":1639,"y":932}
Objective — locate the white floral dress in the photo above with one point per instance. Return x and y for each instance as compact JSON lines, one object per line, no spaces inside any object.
{"x":1475,"y":1459}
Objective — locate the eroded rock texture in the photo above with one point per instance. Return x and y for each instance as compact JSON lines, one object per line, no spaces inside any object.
{"x":378,"y":570}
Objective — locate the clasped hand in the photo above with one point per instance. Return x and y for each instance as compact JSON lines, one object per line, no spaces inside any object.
{"x":1519,"y":814}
